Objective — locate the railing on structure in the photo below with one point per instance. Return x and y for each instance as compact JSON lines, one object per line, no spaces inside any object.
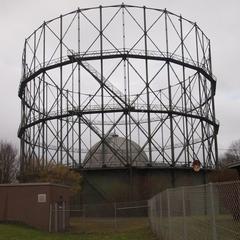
{"x":116,"y":107}
{"x":107,"y":52}
{"x":210,"y":211}
{"x":28,"y":71}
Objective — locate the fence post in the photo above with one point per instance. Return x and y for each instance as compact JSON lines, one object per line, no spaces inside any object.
{"x":63,"y":215}
{"x":155,"y":215}
{"x":160,"y":212}
{"x":184,"y":215}
{"x":169,"y":216}
{"x":149,"y":213}
{"x":56,"y":217}
{"x":50,"y":218}
{"x":83,"y":211}
{"x":115,"y":215}
{"x":214,"y":230}
{"x":161,"y":208}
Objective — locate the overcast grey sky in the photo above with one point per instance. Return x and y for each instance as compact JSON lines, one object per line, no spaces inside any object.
{"x":219,"y":20}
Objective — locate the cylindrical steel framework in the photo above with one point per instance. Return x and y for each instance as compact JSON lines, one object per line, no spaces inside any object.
{"x":138,"y":73}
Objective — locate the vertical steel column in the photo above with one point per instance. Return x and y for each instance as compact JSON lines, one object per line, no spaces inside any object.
{"x":128,"y":112}
{"x":207,"y":128}
{"x":90,"y":120}
{"x":200,"y":97}
{"x":129,"y":118}
{"x":213,"y":108}
{"x":22,"y":142}
{"x":79,"y":95}
{"x":43,"y":93}
{"x":71,"y":129}
{"x":191,"y":86}
{"x":138,"y":134}
{"x":61,"y":92}
{"x":39,"y":117}
{"x":147,"y":86}
{"x":185,"y":121}
{"x":169,"y":96}
{"x":57,"y":133}
{"x":126,"y":90}
{"x":102,"y":88}
{"x":162,"y":133}
{"x":34,"y":90}
{"x":28,"y":116}
{"x":67,"y":119}
{"x":46,"y":130}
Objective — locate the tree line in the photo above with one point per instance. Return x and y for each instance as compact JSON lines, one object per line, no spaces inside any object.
{"x":9,"y":163}
{"x":54,"y":173}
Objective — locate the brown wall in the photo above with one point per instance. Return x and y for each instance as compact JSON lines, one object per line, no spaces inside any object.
{"x":19,"y":202}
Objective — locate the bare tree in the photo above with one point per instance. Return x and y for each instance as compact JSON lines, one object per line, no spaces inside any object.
{"x":234,"y":150}
{"x":8,"y":162}
{"x":232,"y":155}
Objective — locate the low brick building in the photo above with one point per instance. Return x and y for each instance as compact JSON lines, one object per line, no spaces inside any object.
{"x":40,"y":205}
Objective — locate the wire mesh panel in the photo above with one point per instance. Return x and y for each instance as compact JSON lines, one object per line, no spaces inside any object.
{"x":209,"y":211}
{"x":109,"y":217}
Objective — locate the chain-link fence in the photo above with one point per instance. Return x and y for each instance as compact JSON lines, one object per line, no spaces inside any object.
{"x":108,"y":217}
{"x":210,"y":211}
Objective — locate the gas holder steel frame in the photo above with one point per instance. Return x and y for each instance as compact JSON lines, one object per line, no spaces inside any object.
{"x":141,"y":73}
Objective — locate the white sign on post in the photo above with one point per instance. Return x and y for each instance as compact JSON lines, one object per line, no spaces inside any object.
{"x":42,"y":198}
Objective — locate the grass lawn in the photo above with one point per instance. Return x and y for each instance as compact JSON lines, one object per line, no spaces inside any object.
{"x":20,"y":232}
{"x":106,"y":225}
{"x":200,"y":227}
